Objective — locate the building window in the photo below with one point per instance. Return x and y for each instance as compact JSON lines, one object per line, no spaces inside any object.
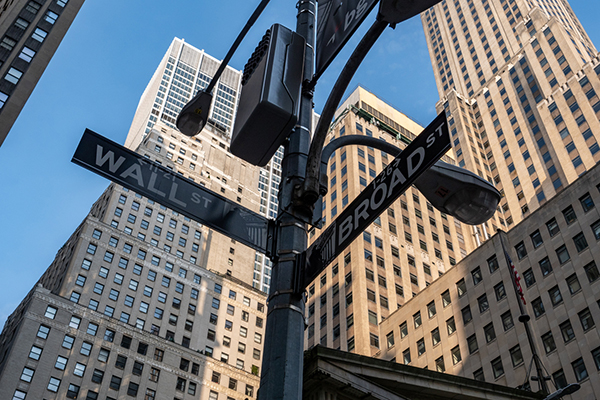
{"x":421,"y":346}
{"x":569,"y":214}
{"x":548,"y":342}
{"x":507,"y":321}
{"x":461,"y":287}
{"x":456,"y":357}
{"x":579,"y":369}
{"x":53,"y":384}
{"x":478,"y":375}
{"x":566,"y":329}
{"x":573,"y":284}
{"x":43,"y":332}
{"x":39,"y":35}
{"x":61,"y":363}
{"x":484,"y":305}
{"x":552,"y":226}
{"x":555,"y":295}
{"x":446,"y":300}
{"x":580,"y":242}
{"x":538,"y":307}
{"x":516,"y":356}
{"x":536,"y":239}
{"x":390,"y":340}
{"x":500,"y":291}
{"x":586,"y":202}
{"x":466,"y":315}
{"x":545,"y":266}
{"x":50,"y":17}
{"x":19,"y":395}
{"x":439,"y":364}
{"x":591,"y":270}
{"x":50,"y":312}
{"x":8,"y":43}
{"x":521,"y":250}
{"x":489,"y":332}
{"x":497,"y":367}
{"x":79,"y":369}
{"x":406,"y":356}
{"x":585,"y":316}
{"x":477,"y":277}
{"x":403,"y":329}
{"x":417,"y":319}
{"x":431,"y":309}
{"x":596,"y":357}
{"x":97,"y":376}
{"x":13,"y":75}
{"x":472,"y":344}
{"x":68,"y":342}
{"x":451,"y":325}
{"x":596,"y":229}
{"x":559,"y":378}
{"x":563,"y":254}
{"x":435,"y":336}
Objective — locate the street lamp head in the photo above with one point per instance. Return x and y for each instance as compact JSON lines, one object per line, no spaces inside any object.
{"x":569,"y":389}
{"x":194,"y":114}
{"x":458,"y":192}
{"x":395,"y":11}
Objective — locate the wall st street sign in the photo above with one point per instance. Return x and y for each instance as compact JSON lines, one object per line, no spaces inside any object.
{"x":417,"y":157}
{"x":143,"y":176}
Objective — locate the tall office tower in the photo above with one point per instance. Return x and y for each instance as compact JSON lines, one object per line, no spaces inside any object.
{"x":142,"y":301}
{"x":402,"y":252}
{"x":183,"y":71}
{"x":31,"y":32}
{"x":518,"y":80}
{"x":467,"y":323}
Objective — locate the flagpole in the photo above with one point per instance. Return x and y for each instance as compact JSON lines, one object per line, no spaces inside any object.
{"x":524,"y":318}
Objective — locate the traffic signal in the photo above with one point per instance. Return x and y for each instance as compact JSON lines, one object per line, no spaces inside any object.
{"x":271,"y":88}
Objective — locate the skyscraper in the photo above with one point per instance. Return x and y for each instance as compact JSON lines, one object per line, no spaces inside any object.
{"x":518,"y":81}
{"x":142,"y":301}
{"x":401,"y":253}
{"x":183,"y":71}
{"x":31,"y":32}
{"x":468,"y":322}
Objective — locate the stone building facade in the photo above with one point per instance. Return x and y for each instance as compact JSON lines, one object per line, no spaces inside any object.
{"x":142,"y":301}
{"x":466,"y":323}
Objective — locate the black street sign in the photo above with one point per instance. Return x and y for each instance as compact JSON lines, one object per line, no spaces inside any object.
{"x":337,"y":21}
{"x":135,"y":172}
{"x":416,"y":158}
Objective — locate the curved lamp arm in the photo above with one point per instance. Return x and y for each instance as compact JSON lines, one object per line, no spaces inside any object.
{"x":452,"y":190}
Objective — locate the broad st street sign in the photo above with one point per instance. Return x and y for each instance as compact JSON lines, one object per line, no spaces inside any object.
{"x":417,"y":157}
{"x":337,"y":21}
{"x":143,"y":176}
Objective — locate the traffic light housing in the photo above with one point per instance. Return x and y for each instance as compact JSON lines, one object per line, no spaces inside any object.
{"x":270,"y":99}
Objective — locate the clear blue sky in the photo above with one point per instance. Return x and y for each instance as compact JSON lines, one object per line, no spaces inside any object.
{"x":97,"y":77}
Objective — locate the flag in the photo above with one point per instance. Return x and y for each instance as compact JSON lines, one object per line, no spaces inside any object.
{"x":516,"y":277}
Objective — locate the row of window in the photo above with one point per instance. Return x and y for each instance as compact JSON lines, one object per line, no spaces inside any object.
{"x":22,"y":22}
